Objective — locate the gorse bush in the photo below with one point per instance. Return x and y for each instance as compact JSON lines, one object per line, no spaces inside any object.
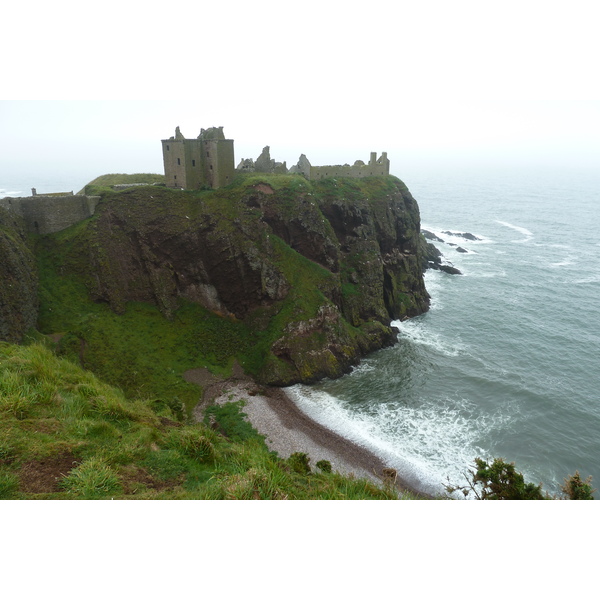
{"x":577,"y":489}
{"x":499,"y":480}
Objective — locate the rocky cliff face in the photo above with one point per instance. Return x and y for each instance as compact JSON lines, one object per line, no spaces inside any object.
{"x":318,"y":270}
{"x":18,"y":279}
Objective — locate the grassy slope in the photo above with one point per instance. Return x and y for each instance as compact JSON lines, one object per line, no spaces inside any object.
{"x":66,"y":434}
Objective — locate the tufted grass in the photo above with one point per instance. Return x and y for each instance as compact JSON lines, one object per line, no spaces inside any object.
{"x":65,"y":434}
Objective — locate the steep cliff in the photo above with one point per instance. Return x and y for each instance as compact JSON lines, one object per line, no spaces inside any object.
{"x":18,"y":279}
{"x":312,"y":272}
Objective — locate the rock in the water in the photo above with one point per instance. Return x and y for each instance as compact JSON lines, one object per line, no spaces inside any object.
{"x":466,"y":236}
{"x":460,"y":249}
{"x":431,"y":236}
{"x":449,"y":269}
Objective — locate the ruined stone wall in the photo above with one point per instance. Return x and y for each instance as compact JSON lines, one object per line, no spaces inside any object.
{"x":48,"y":214}
{"x":358,"y":169}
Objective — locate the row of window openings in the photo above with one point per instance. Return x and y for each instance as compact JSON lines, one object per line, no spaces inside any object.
{"x":207,"y":153}
{"x":193,"y":163}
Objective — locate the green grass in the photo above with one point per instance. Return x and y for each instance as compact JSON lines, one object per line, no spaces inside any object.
{"x":120,"y":178}
{"x":80,"y":438}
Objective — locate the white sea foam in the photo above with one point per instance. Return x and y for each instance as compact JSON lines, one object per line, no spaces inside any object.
{"x":453,"y":239}
{"x":433,"y":285}
{"x":563,"y":263}
{"x":364,"y":367}
{"x":418,"y":332}
{"x":591,"y":279}
{"x":427,"y":444}
{"x":525,"y":232}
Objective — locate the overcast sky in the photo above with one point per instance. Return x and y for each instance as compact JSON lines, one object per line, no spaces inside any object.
{"x":431,"y":83}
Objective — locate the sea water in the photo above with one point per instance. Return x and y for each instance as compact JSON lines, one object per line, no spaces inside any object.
{"x":506,"y":361}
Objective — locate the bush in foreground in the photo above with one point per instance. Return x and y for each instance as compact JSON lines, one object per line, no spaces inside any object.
{"x":500,"y":480}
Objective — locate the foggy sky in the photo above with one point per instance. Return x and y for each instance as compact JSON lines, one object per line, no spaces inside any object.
{"x":461,"y":83}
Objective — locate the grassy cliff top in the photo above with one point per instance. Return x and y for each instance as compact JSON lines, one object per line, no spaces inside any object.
{"x":121,"y":178}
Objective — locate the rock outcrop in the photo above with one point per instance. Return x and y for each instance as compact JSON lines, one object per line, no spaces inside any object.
{"x":317,"y":269}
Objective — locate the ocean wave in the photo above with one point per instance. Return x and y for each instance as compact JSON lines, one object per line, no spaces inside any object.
{"x":566,"y":262}
{"x":418,"y":332}
{"x":586,"y":280}
{"x":429,"y":444}
{"x":525,"y":232}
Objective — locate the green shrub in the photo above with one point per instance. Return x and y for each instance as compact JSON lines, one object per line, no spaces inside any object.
{"x":299,"y":463}
{"x":324,"y":465}
{"x":577,"y":489}
{"x":498,"y":481}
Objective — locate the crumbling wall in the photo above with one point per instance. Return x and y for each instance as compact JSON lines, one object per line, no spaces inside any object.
{"x":263,"y":164}
{"x":358,"y":169}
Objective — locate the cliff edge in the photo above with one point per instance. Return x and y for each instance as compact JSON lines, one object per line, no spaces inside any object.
{"x":309,"y":274}
{"x":18,"y":279}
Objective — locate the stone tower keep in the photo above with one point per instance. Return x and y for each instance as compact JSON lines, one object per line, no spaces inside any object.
{"x":194,"y":163}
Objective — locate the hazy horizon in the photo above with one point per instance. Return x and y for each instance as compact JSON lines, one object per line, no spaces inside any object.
{"x":433,"y":85}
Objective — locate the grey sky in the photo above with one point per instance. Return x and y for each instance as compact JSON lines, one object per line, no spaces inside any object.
{"x":431,"y":83}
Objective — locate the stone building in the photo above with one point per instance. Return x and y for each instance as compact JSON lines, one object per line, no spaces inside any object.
{"x":194,"y":163}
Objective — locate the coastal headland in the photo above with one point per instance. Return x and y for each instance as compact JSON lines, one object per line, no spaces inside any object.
{"x":286,"y":279}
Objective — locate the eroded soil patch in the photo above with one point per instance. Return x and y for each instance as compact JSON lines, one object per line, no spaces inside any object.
{"x":43,"y":476}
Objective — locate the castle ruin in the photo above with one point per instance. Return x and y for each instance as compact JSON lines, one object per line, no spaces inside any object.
{"x":265,"y":164}
{"x":194,"y":163}
{"x":208,"y":160}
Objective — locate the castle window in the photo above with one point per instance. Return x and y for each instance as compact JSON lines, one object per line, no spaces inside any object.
{"x":178,"y":161}
{"x":167,"y":146}
{"x":193,"y":163}
{"x":207,"y":153}
{"x":211,"y":167}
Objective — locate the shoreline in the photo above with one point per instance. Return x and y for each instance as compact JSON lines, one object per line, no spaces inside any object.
{"x":287,"y":429}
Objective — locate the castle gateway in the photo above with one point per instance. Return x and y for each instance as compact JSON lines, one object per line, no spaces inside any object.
{"x":195,"y":163}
